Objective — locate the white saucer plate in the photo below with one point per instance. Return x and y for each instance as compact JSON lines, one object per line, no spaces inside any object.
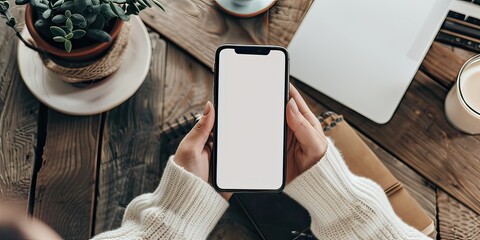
{"x":101,"y":96}
{"x":251,"y":9}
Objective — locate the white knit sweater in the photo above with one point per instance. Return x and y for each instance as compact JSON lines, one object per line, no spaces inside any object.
{"x":342,"y":206}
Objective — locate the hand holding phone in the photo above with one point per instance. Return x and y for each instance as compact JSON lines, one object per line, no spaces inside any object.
{"x":306,"y":143}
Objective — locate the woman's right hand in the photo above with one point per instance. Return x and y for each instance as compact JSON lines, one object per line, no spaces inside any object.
{"x":306,"y":143}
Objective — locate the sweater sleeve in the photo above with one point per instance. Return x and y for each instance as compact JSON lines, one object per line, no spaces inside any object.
{"x":344,"y":206}
{"x":182,"y":207}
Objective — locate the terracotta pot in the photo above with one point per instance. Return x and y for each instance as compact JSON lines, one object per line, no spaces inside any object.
{"x":77,"y":54}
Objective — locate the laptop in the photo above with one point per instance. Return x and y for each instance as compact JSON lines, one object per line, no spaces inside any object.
{"x":365,"y":53}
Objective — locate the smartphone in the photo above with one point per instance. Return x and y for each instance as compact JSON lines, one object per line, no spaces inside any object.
{"x":250,"y":95}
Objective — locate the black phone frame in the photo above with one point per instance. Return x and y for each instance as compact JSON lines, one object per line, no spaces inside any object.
{"x":249,"y":49}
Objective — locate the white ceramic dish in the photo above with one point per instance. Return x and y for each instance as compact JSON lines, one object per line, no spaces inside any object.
{"x":99,"y":97}
{"x":251,"y":9}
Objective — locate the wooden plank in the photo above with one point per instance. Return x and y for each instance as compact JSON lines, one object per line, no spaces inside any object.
{"x":443,"y":62}
{"x":65,"y":187}
{"x":419,"y":135}
{"x":456,"y":221}
{"x":19,"y":112}
{"x":200,"y":27}
{"x":130,"y":149}
{"x":189,"y":85}
{"x":420,"y":188}
{"x":285,"y":17}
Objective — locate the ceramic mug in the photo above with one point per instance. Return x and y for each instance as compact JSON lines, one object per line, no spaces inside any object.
{"x":462,"y":105}
{"x":241,"y":3}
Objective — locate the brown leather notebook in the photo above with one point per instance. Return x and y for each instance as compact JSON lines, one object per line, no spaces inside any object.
{"x":277,"y":216}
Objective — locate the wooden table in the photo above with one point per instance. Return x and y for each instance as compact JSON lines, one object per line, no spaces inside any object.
{"x":79,"y":173}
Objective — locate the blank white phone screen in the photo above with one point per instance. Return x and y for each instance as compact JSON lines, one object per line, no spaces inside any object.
{"x":250,"y":120}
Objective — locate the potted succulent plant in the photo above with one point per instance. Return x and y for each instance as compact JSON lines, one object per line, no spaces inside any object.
{"x":75,"y":33}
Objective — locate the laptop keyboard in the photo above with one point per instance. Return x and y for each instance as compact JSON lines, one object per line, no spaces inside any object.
{"x":473,"y":1}
{"x":461,"y":31}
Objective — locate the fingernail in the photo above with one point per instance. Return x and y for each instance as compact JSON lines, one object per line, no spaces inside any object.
{"x":208,"y":106}
{"x":293,"y":105}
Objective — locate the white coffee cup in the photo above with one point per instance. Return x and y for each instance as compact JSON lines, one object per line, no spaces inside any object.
{"x":462,"y":105}
{"x":241,"y":3}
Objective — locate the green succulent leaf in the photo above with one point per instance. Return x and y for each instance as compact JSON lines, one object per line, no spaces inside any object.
{"x":69,"y":24}
{"x":82,"y":25}
{"x":68,"y":45}
{"x":88,"y":10}
{"x":97,"y":8}
{"x":79,"y":5}
{"x":57,"y":31}
{"x":120,"y":1}
{"x":107,"y":12}
{"x":68,"y":14}
{"x":79,"y":20}
{"x":91,"y":18}
{"x":99,"y":23}
{"x":58,"y":39}
{"x":60,"y":18}
{"x":67,"y":6}
{"x":96,"y":2}
{"x":47,"y":14}
{"x":22,"y":2}
{"x":98,"y":35}
{"x":6,"y":5}
{"x":58,"y":3}
{"x":39,"y":5}
{"x":69,"y":36}
{"x":78,"y":33}
{"x":119,"y":11}
{"x":40,"y":24}
{"x":42,"y":6}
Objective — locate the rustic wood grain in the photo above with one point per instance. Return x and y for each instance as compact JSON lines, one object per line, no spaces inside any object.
{"x":18,"y":124}
{"x":285,"y":17}
{"x":419,"y":135}
{"x":420,"y":188}
{"x":200,"y":27}
{"x":130,"y":150}
{"x":456,"y":221}
{"x":443,"y":62}
{"x":188,"y":85}
{"x":65,"y":188}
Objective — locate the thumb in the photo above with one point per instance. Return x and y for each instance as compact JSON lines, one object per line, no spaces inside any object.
{"x":198,"y":136}
{"x":305,"y":133}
